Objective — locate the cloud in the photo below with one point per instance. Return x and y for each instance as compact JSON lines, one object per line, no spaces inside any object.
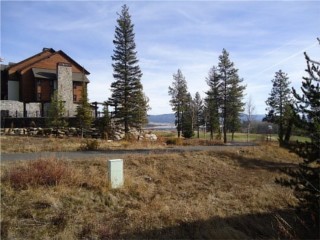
{"x":261,"y":37}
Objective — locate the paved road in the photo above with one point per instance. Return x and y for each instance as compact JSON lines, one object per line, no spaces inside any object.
{"x":112,"y":154}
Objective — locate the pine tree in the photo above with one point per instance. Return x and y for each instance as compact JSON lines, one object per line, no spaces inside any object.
{"x":179,"y":99}
{"x":235,"y":104}
{"x":307,"y":178}
{"x":130,"y":105}
{"x":84,"y":111}
{"x":278,"y":105}
{"x":139,"y":110}
{"x":213,"y":102}
{"x":231,"y":94}
{"x":198,"y":112}
{"x":104,"y":123}
{"x":56,"y":114}
{"x":188,"y":117}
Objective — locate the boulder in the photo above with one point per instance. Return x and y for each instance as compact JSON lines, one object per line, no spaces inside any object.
{"x":151,"y":137}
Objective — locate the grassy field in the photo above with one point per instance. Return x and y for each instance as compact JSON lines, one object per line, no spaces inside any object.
{"x":14,"y":144}
{"x":238,"y":137}
{"x":11,"y":144}
{"x":207,"y":195}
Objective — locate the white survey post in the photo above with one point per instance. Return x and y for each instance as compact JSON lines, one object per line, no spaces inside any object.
{"x":115,"y":167}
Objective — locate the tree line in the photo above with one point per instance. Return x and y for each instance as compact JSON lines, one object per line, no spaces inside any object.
{"x":219,"y":110}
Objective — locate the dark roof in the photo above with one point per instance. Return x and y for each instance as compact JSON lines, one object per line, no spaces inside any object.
{"x":79,"y":77}
{"x":44,"y":73}
{"x":52,"y":51}
{"x":52,"y":74}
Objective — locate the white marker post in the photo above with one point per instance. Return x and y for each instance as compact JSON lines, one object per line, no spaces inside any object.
{"x":115,"y":173}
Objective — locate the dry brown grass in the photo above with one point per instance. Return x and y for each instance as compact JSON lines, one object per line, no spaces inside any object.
{"x":10,"y":144}
{"x":209,"y":195}
{"x":15,"y":144}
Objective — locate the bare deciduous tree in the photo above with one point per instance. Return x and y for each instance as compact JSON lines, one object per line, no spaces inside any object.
{"x":250,"y":109}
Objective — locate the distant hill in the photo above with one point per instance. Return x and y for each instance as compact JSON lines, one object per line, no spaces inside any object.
{"x":162,"y":118}
{"x":169,"y":118}
{"x":255,"y":117}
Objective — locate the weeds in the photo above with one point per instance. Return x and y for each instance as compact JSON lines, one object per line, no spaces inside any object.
{"x":207,"y":195}
{"x":10,"y":144}
{"x":42,"y":172}
{"x":174,"y":141}
{"x":90,"y":145}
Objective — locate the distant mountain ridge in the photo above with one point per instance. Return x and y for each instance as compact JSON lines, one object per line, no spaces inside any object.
{"x":162,"y":118}
{"x":170,"y":118}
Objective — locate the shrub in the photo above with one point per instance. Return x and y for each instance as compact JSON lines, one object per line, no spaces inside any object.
{"x":174,"y":141}
{"x":90,"y":145}
{"x":46,"y":172}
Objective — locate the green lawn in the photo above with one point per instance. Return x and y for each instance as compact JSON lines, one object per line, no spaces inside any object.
{"x":238,"y":137}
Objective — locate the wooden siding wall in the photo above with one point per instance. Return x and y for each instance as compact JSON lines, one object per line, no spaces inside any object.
{"x":29,"y":87}
{"x":27,"y":90}
{"x":77,"y":90}
{"x":45,"y":88}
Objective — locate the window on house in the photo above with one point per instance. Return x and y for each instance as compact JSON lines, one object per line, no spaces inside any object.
{"x":54,"y":84}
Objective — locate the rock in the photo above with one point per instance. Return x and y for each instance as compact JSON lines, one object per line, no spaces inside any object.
{"x":147,"y":178}
{"x":151,"y":137}
{"x":117,"y":137}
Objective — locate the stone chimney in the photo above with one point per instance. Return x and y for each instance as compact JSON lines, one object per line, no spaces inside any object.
{"x":65,"y":88}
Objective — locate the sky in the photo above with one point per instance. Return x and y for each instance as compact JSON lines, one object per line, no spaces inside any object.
{"x":261,"y":37}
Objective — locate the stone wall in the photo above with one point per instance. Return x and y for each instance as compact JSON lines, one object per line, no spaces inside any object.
{"x":33,"y":109}
{"x":13,"y":108}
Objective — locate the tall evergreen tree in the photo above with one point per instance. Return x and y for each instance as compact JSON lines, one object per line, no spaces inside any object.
{"x":198,"y":112}
{"x":179,"y":99}
{"x":278,"y":105}
{"x":235,"y":104}
{"x":188,"y":118}
{"x":213,"y":102}
{"x":130,"y":105}
{"x":308,"y":105}
{"x":84,"y":111}
{"x":306,"y":179}
{"x":232,"y":94}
